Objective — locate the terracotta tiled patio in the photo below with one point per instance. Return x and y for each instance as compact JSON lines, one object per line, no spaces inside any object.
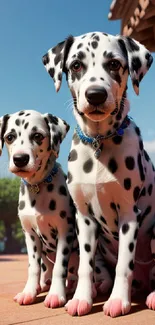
{"x":13,"y":272}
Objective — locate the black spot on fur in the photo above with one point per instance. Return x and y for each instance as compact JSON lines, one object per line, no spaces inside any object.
{"x":69,"y":178}
{"x":136,"y":234}
{"x":33,"y":203}
{"x":87,"y":222}
{"x":136,"y":64}
{"x":72,"y":155}
{"x":112,"y":165}
{"x":43,"y":266}
{"x":130,"y":163}
{"x":52,"y":205}
{"x":21,"y":113}
{"x":21,"y":205}
{"x":143,"y":192}
{"x":131,"y":45}
{"x":17,"y":122}
{"x":113,"y":206}
{"x":125,"y":228}
{"x":103,"y":219}
{"x":51,"y":72}
{"x":137,"y":131}
{"x":136,"y":193}
{"x":62,"y":190}
{"x":141,"y":171}
{"x":65,"y":251}
{"x":87,"y":248}
{"x":117,"y":139}
{"x":150,"y":188}
{"x":35,"y":248}
{"x":146,"y":156}
{"x":149,"y":59}
{"x":57,"y":58}
{"x":88,"y":165}
{"x":90,"y":209}
{"x":26,"y":125}
{"x":91,"y":263}
{"x":94,"y":44}
{"x":45,"y":59}
{"x":131,"y":265}
{"x":69,"y":239}
{"x":131,"y":247}
{"x":63,"y":214}
{"x":127,"y":183}
{"x":50,"y":187}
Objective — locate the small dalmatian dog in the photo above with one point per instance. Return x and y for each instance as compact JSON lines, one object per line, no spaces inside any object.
{"x":45,"y":207}
{"x":111,"y":178}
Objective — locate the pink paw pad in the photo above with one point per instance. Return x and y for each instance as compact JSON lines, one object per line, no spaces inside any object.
{"x":78,"y":307}
{"x":150,"y":301}
{"x":114,"y":308}
{"x":52,"y":301}
{"x":24,"y":298}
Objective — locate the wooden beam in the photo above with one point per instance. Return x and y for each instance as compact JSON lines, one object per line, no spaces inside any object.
{"x":144,"y":24}
{"x":150,"y":12}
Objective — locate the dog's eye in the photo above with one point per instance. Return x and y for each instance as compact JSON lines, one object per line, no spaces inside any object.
{"x":37,"y":137}
{"x":10,"y":138}
{"x":114,"y":65}
{"x":76,"y":66}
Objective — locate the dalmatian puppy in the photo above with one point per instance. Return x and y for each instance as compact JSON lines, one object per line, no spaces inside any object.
{"x":110,"y":177}
{"x":45,"y":207}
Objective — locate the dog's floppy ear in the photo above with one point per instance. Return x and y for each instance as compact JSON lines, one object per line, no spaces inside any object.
{"x":139,"y":59}
{"x":58,"y":129}
{"x":3,"y":124}
{"x":54,"y":60}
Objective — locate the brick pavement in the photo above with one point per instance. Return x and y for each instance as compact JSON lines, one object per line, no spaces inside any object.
{"x":13,"y":273}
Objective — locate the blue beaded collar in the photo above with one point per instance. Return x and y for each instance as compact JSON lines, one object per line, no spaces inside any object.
{"x":35,"y":188}
{"x":96,"y":142}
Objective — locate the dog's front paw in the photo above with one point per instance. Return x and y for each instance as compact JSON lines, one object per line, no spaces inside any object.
{"x":150,"y":301}
{"x":78,"y":307}
{"x":54,"y":301}
{"x":116,"y":307}
{"x":25,"y":298}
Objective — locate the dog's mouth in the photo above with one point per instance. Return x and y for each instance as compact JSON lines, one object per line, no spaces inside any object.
{"x":22,"y":172}
{"x":96,"y":112}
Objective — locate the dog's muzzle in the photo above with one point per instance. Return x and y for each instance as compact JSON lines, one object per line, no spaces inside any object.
{"x":96,"y":95}
{"x":21,"y":160}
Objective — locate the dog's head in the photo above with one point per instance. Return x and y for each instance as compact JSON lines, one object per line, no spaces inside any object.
{"x":31,"y":139}
{"x":97,"y":66}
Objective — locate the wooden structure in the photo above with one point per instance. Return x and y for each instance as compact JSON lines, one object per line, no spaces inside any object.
{"x":138,"y":19}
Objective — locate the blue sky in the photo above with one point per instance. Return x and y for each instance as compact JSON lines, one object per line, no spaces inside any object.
{"x":27,"y":30}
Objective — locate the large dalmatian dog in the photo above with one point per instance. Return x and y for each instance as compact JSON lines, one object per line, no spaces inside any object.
{"x":45,"y":207}
{"x":110,"y":177}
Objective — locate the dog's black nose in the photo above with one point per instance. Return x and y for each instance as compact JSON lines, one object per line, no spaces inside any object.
{"x":96,"y":95}
{"x":21,"y":160}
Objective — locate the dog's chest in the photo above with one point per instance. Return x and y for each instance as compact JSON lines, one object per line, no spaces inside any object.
{"x":47,"y":211}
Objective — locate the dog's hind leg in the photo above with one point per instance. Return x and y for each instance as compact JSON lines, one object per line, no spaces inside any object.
{"x":103,"y":279}
{"x":47,"y":264}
